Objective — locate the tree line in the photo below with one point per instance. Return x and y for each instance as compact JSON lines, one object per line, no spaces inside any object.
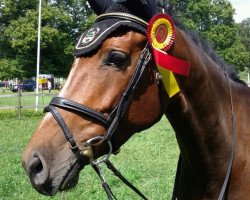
{"x":64,"y":20}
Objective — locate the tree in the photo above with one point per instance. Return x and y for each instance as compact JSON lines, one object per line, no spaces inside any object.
{"x":9,"y":70}
{"x":80,"y":12}
{"x":244,"y":33}
{"x":62,"y":22}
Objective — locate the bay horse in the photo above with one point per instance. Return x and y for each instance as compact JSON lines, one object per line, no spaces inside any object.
{"x":99,"y":106}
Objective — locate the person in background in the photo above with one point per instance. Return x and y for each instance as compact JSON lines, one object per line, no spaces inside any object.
{"x":10,"y":84}
{"x":49,"y":86}
{"x":3,"y":86}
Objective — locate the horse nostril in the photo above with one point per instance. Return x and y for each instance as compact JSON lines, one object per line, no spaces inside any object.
{"x":36,"y":166}
{"x":37,"y":171}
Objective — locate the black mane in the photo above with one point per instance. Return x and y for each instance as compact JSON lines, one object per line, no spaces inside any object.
{"x":207,"y":48}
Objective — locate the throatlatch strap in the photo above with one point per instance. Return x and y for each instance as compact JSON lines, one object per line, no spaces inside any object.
{"x":222,"y":194}
{"x":127,"y":96}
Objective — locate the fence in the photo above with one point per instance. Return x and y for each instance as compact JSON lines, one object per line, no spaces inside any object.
{"x":19,"y":105}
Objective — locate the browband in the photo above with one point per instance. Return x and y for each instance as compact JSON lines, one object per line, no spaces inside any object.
{"x":121,"y":15}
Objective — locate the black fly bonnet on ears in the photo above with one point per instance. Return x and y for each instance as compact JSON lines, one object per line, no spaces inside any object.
{"x":103,"y":27}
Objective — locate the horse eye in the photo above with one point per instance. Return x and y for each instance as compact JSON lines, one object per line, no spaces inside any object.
{"x":116,"y":59}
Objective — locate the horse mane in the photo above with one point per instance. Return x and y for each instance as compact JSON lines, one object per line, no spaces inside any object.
{"x":206,"y":46}
{"x":209,"y":50}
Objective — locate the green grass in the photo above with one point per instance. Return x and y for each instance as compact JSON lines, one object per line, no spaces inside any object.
{"x":148,"y":159}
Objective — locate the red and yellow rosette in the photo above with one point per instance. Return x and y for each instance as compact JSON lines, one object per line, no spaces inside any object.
{"x":160,"y":34}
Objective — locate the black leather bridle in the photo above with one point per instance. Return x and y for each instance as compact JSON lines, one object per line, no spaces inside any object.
{"x":110,"y":123}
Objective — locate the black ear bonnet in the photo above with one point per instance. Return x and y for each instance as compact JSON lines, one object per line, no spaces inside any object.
{"x":103,"y":27}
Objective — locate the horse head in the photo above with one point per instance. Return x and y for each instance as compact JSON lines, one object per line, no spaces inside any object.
{"x":112,"y":91}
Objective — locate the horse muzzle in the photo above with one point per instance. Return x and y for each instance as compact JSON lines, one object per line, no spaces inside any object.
{"x":48,"y":181}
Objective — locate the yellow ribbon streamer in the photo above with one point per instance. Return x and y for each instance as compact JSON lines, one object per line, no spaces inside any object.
{"x":169,"y":81}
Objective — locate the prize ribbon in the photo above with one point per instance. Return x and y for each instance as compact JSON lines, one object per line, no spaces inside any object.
{"x":160,"y":34}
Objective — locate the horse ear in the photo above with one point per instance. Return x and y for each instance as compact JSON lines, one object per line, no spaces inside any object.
{"x":148,"y":6}
{"x":100,"y":6}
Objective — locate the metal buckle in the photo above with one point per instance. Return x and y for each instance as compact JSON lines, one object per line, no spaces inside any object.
{"x":72,"y":147}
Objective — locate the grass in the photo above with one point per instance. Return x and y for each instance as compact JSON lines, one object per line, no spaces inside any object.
{"x":148,"y":159}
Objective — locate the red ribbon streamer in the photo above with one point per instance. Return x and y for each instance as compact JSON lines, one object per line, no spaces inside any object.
{"x":171,"y":63}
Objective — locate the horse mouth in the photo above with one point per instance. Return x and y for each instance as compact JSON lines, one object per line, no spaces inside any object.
{"x":71,"y":178}
{"x":68,"y":181}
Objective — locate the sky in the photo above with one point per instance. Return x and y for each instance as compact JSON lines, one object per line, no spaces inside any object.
{"x":242,"y":9}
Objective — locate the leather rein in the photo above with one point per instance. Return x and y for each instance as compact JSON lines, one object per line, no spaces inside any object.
{"x":222,"y":193}
{"x":111,"y":122}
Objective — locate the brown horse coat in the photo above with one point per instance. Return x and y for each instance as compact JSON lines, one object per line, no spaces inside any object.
{"x":200,"y":115}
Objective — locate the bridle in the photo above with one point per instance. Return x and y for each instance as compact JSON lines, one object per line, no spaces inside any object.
{"x":114,"y":118}
{"x":110,"y":123}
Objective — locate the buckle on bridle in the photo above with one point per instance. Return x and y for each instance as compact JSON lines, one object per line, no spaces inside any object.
{"x":72,"y":146}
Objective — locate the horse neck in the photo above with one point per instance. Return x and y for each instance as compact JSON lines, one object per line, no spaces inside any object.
{"x":200,"y":113}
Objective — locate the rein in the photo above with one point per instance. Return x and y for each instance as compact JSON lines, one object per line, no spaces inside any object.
{"x":222,"y":194}
{"x":230,"y":163}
